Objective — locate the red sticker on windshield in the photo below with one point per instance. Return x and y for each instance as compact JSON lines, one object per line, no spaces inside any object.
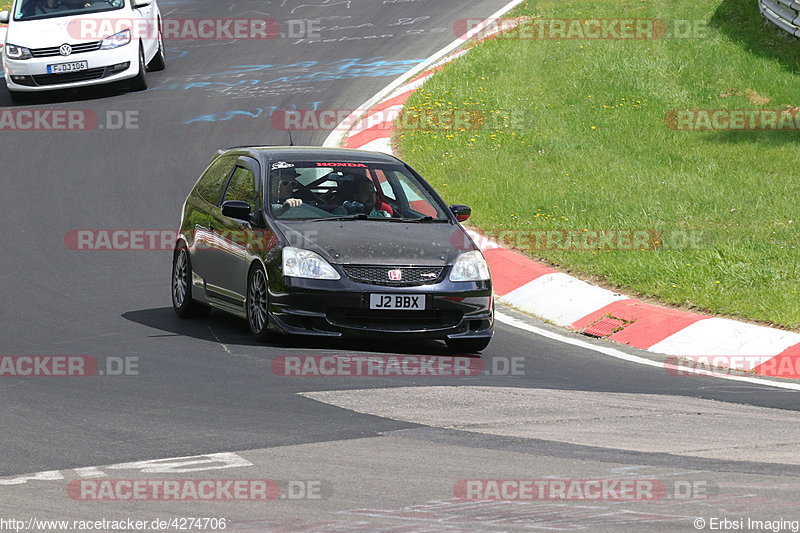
{"x":348,"y":165}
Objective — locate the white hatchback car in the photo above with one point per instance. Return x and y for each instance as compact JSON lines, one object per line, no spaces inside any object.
{"x":59,"y":44}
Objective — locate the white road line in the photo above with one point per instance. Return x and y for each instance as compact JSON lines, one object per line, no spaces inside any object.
{"x":171,"y":465}
{"x":505,"y":319}
{"x":224,"y":347}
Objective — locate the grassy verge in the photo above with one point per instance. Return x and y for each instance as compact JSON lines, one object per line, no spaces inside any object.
{"x":597,"y":153}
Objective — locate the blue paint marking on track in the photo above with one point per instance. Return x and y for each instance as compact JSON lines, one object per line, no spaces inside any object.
{"x":256,"y":113}
{"x":337,"y":70}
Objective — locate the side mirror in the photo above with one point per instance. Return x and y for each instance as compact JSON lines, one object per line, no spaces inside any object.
{"x":461,"y":212}
{"x":141,"y":3}
{"x":236,"y":209}
{"x":4,"y":17}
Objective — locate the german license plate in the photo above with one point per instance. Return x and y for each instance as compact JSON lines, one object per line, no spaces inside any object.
{"x":64,"y":68}
{"x":405,"y":302}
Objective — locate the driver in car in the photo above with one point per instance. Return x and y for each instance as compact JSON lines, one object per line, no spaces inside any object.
{"x":286,"y":179}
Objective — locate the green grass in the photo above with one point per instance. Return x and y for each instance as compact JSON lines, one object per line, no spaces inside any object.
{"x":597,"y":154}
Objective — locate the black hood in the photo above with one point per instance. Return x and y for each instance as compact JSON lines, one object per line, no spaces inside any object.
{"x":367,"y":242}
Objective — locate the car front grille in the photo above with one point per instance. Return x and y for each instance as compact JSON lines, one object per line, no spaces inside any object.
{"x":379,"y":275}
{"x":56,"y":50}
{"x":81,"y":75}
{"x":394,"y":321}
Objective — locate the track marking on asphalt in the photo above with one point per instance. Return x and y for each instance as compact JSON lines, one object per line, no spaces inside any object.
{"x":519,"y":324}
{"x":224,"y":346}
{"x":171,"y":465}
{"x":547,"y":515}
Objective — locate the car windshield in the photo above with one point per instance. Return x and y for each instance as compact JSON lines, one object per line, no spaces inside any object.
{"x":41,"y":9}
{"x":323,"y":191}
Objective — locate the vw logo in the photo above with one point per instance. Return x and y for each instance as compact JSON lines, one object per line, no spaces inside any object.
{"x":65,"y":49}
{"x":395,"y":275}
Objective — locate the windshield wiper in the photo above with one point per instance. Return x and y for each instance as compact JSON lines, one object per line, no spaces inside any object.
{"x":362,"y":216}
{"x":358,"y":216}
{"x":422,"y":219}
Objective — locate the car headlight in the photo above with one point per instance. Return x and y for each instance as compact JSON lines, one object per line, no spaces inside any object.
{"x":17,"y":52}
{"x":115,"y":41}
{"x":470,"y":266}
{"x":298,"y":263}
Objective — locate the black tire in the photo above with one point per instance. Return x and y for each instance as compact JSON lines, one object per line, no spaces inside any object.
{"x":468,"y":345}
{"x":139,"y":83}
{"x":159,"y":62}
{"x":182,"y":301}
{"x":258,"y":304}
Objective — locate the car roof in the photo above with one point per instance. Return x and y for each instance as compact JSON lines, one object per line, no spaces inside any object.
{"x":310,"y":153}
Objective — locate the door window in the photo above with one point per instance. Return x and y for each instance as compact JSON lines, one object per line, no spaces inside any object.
{"x":242,"y":187}
{"x":210,"y":185}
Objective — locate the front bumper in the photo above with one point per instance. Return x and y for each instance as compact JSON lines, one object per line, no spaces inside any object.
{"x":784,"y":14}
{"x":105,"y":66}
{"x":341,"y":308}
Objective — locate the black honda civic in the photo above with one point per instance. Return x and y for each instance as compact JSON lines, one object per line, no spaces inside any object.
{"x":330,"y":242}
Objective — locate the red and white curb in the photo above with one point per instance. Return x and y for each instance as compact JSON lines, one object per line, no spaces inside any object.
{"x":567,"y":301}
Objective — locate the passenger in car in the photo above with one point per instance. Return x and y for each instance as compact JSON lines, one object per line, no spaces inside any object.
{"x":358,"y":196}
{"x":345,"y":192}
{"x":39,"y":7}
{"x":43,"y":7}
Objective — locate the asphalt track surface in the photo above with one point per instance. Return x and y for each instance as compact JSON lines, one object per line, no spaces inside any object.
{"x":204,"y":386}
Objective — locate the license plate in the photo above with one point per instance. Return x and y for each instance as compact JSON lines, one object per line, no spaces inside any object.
{"x":406,"y":302}
{"x":63,"y":68}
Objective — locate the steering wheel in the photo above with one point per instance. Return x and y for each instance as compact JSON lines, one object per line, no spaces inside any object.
{"x":307,"y":188}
